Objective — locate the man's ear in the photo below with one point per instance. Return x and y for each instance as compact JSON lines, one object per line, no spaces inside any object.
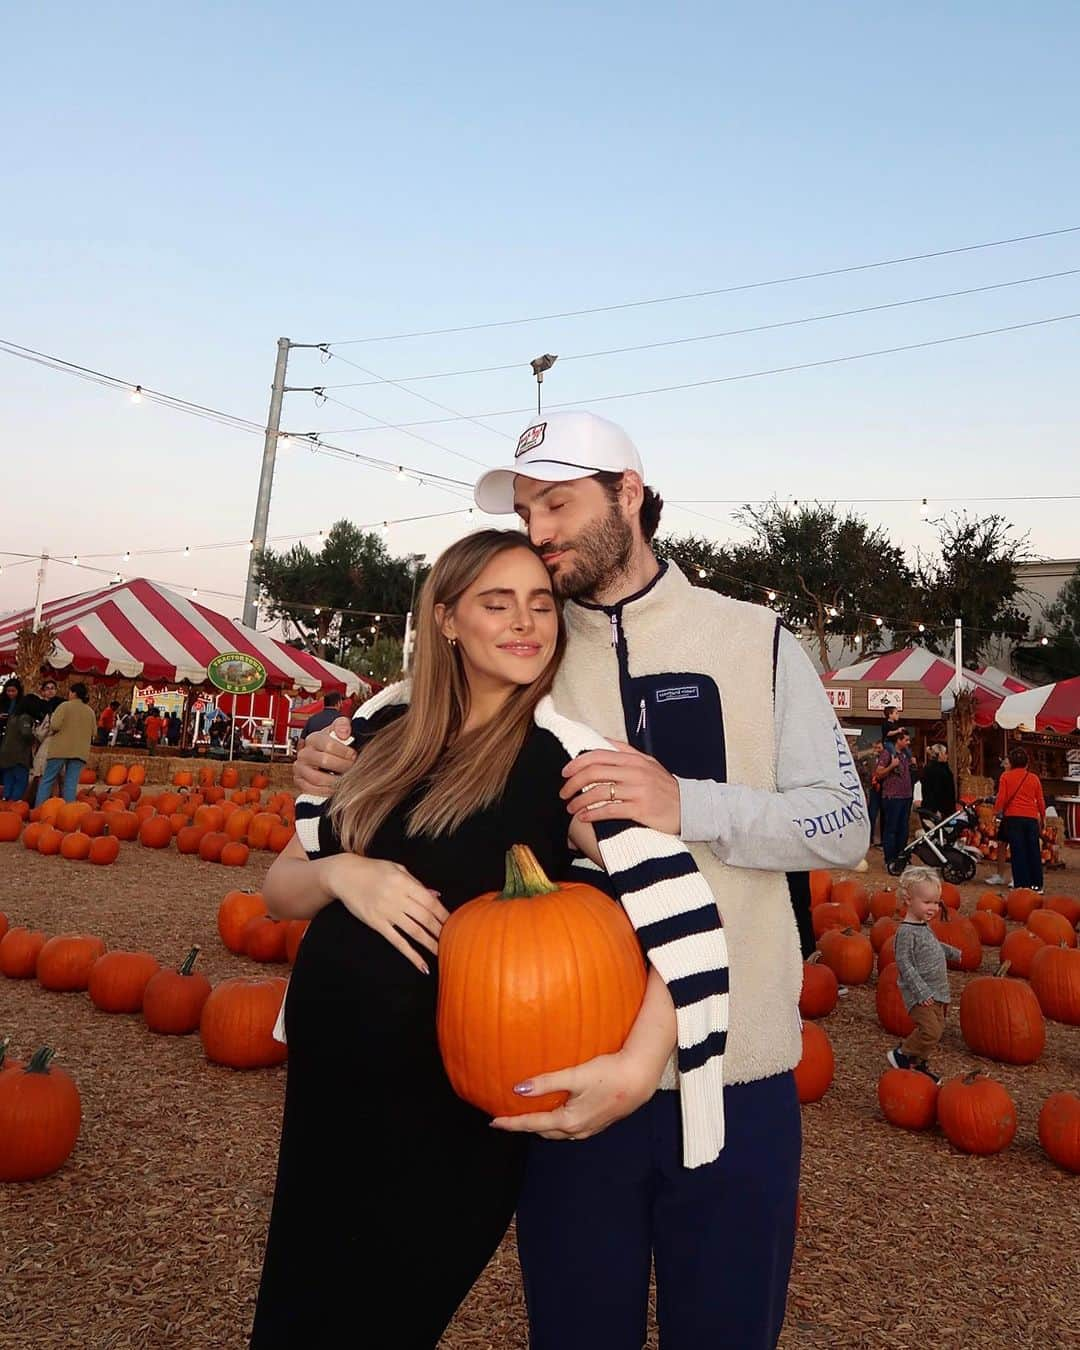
{"x":632,"y":491}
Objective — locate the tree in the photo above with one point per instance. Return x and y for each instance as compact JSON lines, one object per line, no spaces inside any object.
{"x":830,"y":571}
{"x":332,"y":597}
{"x":382,"y":660}
{"x":975,"y":577}
{"x":1060,"y":658}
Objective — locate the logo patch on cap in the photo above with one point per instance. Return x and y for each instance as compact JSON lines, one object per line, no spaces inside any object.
{"x":531,"y":437}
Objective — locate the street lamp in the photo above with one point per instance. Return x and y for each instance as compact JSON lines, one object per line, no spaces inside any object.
{"x":539,"y":365}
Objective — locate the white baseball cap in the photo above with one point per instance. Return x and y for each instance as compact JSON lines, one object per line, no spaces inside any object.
{"x":557,"y":448}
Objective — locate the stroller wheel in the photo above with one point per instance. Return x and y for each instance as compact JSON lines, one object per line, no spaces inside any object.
{"x":959,"y":871}
{"x":895,"y":866}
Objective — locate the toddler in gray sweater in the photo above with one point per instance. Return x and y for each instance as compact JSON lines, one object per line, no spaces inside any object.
{"x":921,"y":972}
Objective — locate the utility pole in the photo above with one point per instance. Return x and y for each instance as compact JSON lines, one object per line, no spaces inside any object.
{"x":958,"y":655}
{"x":42,"y":565}
{"x":266,"y":479}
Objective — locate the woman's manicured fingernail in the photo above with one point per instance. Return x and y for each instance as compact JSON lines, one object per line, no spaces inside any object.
{"x":425,"y":970}
{"x":523,"y":1089}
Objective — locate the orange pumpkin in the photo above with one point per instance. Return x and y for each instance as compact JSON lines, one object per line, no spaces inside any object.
{"x":976,"y":1114}
{"x":848,"y":955}
{"x":155,"y":832}
{"x":814,"y":1071}
{"x":211,"y":818}
{"x":104,"y":850}
{"x":10,"y":827}
{"x":259,"y":781}
{"x":950,"y":895}
{"x":20,"y":809}
{"x":908,"y":1098}
{"x":294,"y":936}
{"x":87,"y":775}
{"x":234,"y":854}
{"x":1021,"y":904}
{"x":279,"y":838}
{"x":32,"y":834}
{"x":820,"y":887}
{"x":883,"y":905}
{"x":115,"y":775}
{"x":173,"y":999}
{"x":829,"y":915}
{"x":137,"y":775}
{"x":168,"y":802}
{"x":886,"y":955}
{"x":1055,"y":981}
{"x":1066,"y":906}
{"x":94,"y":823}
{"x":177,"y":822}
{"x":211,"y":844}
{"x":1052,"y":927}
{"x":19,"y":950}
{"x":239,"y":819}
{"x":1018,"y":951}
{"x":144,"y":811}
{"x":959,"y":932}
{"x":1059,"y":1129}
{"x":259,"y":829}
{"x":853,"y":894}
{"x":881,"y":930}
{"x":889,"y":1002}
{"x":118,"y":979}
{"x":206,"y":775}
{"x":189,"y":838}
{"x":182,"y":778}
{"x":234,"y":912}
{"x":124,"y":825}
{"x":820,"y":989}
{"x":530,"y":978}
{"x":991,"y":901}
{"x":64,"y":962}
{"x":265,"y":938}
{"x":989,"y":926}
{"x":49,"y":841}
{"x":215,"y":796}
{"x":230,"y":778}
{"x":237,"y":1023}
{"x":1002,"y":1019}
{"x":69,"y":815}
{"x":75,"y":847}
{"x":40,"y":1115}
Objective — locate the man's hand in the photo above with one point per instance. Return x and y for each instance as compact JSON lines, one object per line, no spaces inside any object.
{"x":323,"y":760}
{"x":602,"y":1091}
{"x":622,"y":784}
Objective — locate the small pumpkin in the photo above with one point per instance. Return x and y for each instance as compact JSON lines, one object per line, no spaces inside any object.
{"x":960,"y":933}
{"x":49,"y":841}
{"x":1018,"y":951}
{"x":234,"y":913}
{"x":976,"y":1114}
{"x":848,"y":955}
{"x":989,"y":926}
{"x":234,"y":854}
{"x":1021,"y":904}
{"x":950,"y":895}
{"x":75,"y":846}
{"x":883,"y":905}
{"x":817,"y":1066}
{"x":10,"y":827}
{"x":1002,"y":1019}
{"x":155,"y":832}
{"x":64,"y":962}
{"x":820,"y":886}
{"x":119,"y":979}
{"x":532,"y":977}
{"x":259,"y":781}
{"x":189,"y":838}
{"x":32,"y":834}
{"x":211,"y":818}
{"x":265,"y":938}
{"x":1059,"y":1129}
{"x":891,"y":1010}
{"x":1064,"y":905}
{"x":887,"y":955}
{"x":237,"y":1023}
{"x":173,"y":999}
{"x":116,"y":775}
{"x":40,"y":1116}
{"x":820,"y":988}
{"x":211,"y":844}
{"x":1055,"y":981}
{"x":182,"y":778}
{"x":881,"y":930}
{"x":87,"y":776}
{"x":830,"y":915}
{"x":1052,"y":927}
{"x":259,"y":829}
{"x":94,"y":824}
{"x":279,"y":838}
{"x":168,"y":802}
{"x":230,"y":778}
{"x":19,"y":950}
{"x":992,"y":902}
{"x":908,"y":1098}
{"x":137,"y":775}
{"x":104,"y":850}
{"x":853,"y":894}
{"x":69,"y":815}
{"x":124,"y":826}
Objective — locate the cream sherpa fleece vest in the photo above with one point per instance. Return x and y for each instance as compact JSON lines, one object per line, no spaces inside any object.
{"x":674,"y":627}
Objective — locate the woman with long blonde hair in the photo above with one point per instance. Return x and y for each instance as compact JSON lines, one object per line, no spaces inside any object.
{"x":392,"y":1193}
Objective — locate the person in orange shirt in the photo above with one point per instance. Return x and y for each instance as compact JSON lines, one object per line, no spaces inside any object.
{"x":1022,"y":807}
{"x":155,"y":725}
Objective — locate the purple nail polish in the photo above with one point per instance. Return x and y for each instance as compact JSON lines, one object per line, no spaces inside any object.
{"x":523,"y":1089}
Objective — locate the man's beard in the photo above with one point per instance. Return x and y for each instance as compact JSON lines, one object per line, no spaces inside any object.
{"x":602,"y":555}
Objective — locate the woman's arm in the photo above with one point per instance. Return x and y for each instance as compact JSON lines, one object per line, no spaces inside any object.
{"x":296,"y":886}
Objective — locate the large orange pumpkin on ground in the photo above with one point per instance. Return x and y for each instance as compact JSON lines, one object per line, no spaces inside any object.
{"x":137,"y":775}
{"x":230,"y":778}
{"x":950,"y":895}
{"x":182,"y":778}
{"x":819,"y":988}
{"x":94,"y":823}
{"x":1055,"y":980}
{"x":531,"y":978}
{"x":49,"y":841}
{"x":1059,"y":1129}
{"x":155,"y":832}
{"x":259,"y":829}
{"x":820,"y":886}
{"x":266,"y":938}
{"x":883,"y":905}
{"x":10,"y":827}
{"x":104,"y":850}
{"x":989,"y":926}
{"x":64,"y":962}
{"x":891,"y":1010}
{"x":69,"y":815}
{"x":234,"y":854}
{"x":854,"y":894}
{"x":829,"y":915}
{"x":75,"y":846}
{"x":115,"y":775}
{"x":279,"y":838}
{"x":814,"y":1071}
{"x":237,"y":1023}
{"x":211,"y":844}
{"x":40,"y":1115}
{"x":32,"y":834}
{"x":1021,"y":904}
{"x":961,"y":933}
{"x":848,"y":955}
{"x":118,"y":980}
{"x":1019,"y":949}
{"x":234,"y":912}
{"x":173,"y":999}
{"x":977,"y":1114}
{"x":124,"y":825}
{"x":19,"y":949}
{"x":1052,"y":927}
{"x":209,"y":817}
{"x":1064,"y":905}
{"x":236,"y":826}
{"x":168,"y":802}
{"x":1002,"y":1019}
{"x":990,"y":900}
{"x":189,"y":838}
{"x":908,"y":1098}
{"x":881,"y":930}
{"x":87,"y":776}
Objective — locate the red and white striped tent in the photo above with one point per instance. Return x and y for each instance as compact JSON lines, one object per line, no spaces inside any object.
{"x":144,"y":631}
{"x":1051,"y":707}
{"x":917,"y":665}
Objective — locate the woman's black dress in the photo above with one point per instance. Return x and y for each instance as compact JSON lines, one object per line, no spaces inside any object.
{"x":392,"y":1193}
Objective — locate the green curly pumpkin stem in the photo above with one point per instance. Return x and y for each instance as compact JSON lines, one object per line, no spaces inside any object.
{"x":189,"y":960}
{"x":524,"y":875}
{"x":40,"y":1060}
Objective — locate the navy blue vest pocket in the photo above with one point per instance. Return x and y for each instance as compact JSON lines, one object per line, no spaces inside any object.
{"x":679,"y":721}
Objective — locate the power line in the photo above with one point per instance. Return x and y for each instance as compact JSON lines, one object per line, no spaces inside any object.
{"x":866,"y":501}
{"x":745,"y":375}
{"x":684,"y":341}
{"x":721,"y":290}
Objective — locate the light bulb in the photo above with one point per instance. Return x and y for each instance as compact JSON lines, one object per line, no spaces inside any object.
{"x":701,"y":573}
{"x":187,"y":551}
{"x":400,"y":472}
{"x":250,"y":545}
{"x":879,"y":622}
{"x":127,"y":555}
{"x":194,"y":592}
{"x":136,"y":394}
{"x":772,"y":595}
{"x":832,"y":612}
{"x":74,"y":560}
{"x":924,"y":510}
{"x":1044,"y":642}
{"x":318,"y":610}
{"x":373,"y":628}
{"x":922,"y":628}
{"x":858,"y":640}
{"x":378,"y":618}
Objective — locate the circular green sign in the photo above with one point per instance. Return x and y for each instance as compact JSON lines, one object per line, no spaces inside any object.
{"x":236,"y":673}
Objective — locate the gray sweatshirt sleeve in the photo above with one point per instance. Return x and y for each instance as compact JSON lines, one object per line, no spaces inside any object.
{"x":907,"y":965}
{"x":817,"y":815}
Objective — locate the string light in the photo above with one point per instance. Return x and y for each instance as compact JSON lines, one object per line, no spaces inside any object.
{"x":75,"y":560}
{"x":400,"y":473}
{"x":701,"y":573}
{"x":772,"y":596}
{"x":187,"y":551}
{"x":1044,"y":642}
{"x":831,"y":612}
{"x":127,"y":555}
{"x":194,"y":592}
{"x":924,"y":509}
{"x":136,"y":394}
{"x":879,"y":621}
{"x":922,"y":628}
{"x":318,"y":610}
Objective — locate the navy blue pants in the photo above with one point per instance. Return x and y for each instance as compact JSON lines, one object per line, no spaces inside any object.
{"x":595,"y":1213}
{"x":1024,"y":850}
{"x":873,"y":808}
{"x":895,"y":825}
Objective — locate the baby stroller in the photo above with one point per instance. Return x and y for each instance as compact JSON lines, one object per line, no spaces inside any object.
{"x":935,"y":845}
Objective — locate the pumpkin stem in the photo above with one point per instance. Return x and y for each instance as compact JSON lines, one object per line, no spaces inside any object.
{"x":524,"y":875}
{"x":189,"y":960}
{"x":40,"y":1060}
{"x":1003,"y":969}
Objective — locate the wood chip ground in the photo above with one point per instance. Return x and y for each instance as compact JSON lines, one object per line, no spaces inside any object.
{"x":151,"y":1236}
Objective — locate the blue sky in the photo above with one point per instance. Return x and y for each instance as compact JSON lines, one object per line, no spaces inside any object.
{"x":185,"y":185}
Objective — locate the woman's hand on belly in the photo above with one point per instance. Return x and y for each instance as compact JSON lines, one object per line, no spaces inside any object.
{"x":602,"y":1091}
{"x":386,"y":897}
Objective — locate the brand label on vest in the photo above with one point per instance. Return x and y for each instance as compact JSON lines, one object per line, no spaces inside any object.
{"x":677,"y":692}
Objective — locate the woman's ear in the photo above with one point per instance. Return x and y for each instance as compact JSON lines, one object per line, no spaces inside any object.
{"x":444,"y":617}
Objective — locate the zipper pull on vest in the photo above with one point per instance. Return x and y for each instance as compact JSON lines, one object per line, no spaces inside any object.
{"x":641,"y":720}
{"x":614,"y":630}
